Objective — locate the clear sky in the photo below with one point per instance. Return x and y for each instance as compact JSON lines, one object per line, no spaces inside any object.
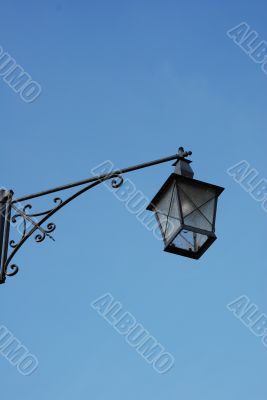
{"x":131,"y":82}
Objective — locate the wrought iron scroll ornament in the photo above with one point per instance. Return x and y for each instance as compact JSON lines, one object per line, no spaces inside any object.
{"x":28,"y":220}
{"x":34,"y":222}
{"x":30,"y":223}
{"x":117,"y":181}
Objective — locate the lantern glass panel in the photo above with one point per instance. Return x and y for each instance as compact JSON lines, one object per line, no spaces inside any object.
{"x":168,"y":212}
{"x":198,"y":205}
{"x":190,"y":241}
{"x":162,"y":204}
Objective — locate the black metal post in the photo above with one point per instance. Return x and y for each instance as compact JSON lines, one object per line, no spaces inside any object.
{"x":5,"y":214}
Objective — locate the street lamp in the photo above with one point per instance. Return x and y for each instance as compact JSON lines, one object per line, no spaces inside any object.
{"x":185,"y":210}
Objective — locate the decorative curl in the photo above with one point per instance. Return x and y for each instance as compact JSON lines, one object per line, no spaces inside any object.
{"x":40,"y":237}
{"x":14,"y":270}
{"x":14,"y":220}
{"x":13,"y":244}
{"x":51,"y":227}
{"x":56,"y":200}
{"x":27,"y":207}
{"x":117,"y":181}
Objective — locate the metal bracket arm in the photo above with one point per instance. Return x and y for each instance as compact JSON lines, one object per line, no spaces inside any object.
{"x":32,"y":222}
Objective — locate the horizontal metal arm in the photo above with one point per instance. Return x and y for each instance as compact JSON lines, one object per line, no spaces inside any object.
{"x":97,"y":178}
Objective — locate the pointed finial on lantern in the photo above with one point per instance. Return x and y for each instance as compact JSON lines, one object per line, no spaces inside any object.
{"x":182,"y":165}
{"x":182,"y":153}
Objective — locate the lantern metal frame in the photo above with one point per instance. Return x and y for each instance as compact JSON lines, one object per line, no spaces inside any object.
{"x":211,"y":237}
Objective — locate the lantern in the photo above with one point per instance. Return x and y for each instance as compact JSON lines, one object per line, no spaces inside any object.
{"x":185,"y":209}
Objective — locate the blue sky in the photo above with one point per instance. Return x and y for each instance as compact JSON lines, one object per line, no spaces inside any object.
{"x":130,"y":82}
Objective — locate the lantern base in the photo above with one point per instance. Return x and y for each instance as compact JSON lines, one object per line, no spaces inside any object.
{"x":177,"y":245}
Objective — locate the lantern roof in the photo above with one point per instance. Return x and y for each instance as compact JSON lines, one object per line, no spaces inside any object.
{"x":180,"y":178}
